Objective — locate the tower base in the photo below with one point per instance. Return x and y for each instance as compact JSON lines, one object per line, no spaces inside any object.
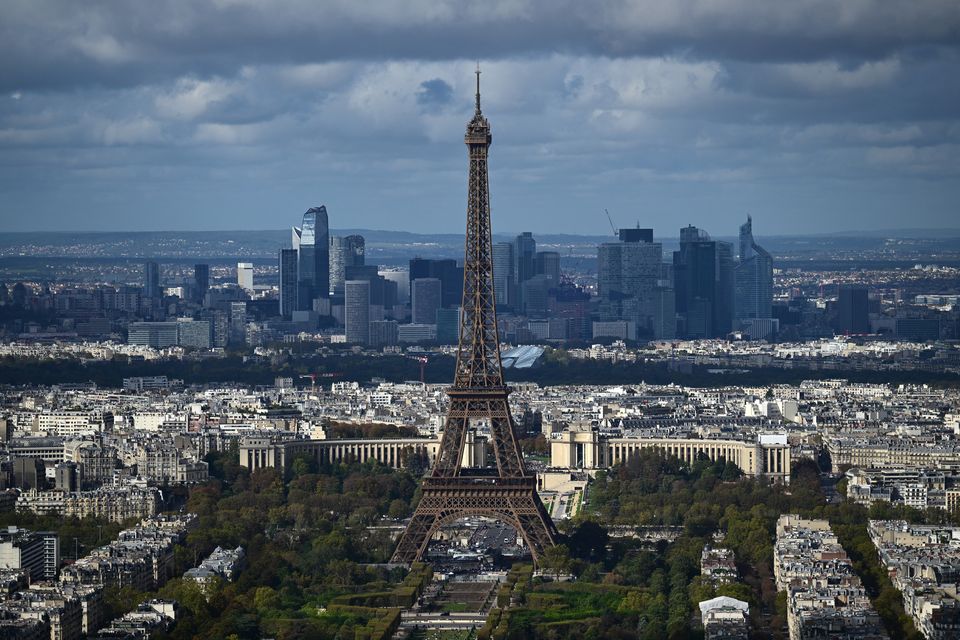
{"x":512,"y":501}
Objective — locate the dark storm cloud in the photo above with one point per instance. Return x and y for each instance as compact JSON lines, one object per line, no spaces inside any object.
{"x":230,"y":113}
{"x":47,"y":44}
{"x":434,"y":94}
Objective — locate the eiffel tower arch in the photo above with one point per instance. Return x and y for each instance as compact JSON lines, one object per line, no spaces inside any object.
{"x":505,"y":492}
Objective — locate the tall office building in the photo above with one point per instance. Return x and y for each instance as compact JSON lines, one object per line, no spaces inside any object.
{"x":201,"y":281}
{"x":356,"y":311}
{"x":426,"y":300}
{"x":445,"y":270}
{"x":245,"y":275}
{"x":503,"y":276}
{"x":703,"y":284}
{"x":383,"y":292}
{"x":401,"y":278}
{"x":349,"y":251}
{"x":288,"y":282}
{"x":238,"y":322}
{"x":535,"y":292}
{"x":853,"y":309}
{"x":448,"y":325}
{"x":151,"y":281}
{"x":628,"y":273}
{"x":548,"y":264}
{"x":753,"y":278}
{"x":524,"y":262}
{"x":194,"y":333}
{"x":313,"y":275}
{"x":383,"y":333}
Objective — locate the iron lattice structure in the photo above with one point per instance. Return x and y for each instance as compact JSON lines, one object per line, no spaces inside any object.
{"x":450,"y":492}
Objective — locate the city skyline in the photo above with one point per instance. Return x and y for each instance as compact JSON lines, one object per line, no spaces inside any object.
{"x":799,"y":115}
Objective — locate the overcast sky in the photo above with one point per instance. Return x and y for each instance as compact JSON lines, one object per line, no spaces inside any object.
{"x":811,"y":115}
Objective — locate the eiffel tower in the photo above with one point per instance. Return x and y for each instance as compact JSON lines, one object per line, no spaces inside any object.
{"x":451,"y":492}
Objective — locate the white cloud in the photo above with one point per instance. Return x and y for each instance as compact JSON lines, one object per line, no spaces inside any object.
{"x":191,"y":98}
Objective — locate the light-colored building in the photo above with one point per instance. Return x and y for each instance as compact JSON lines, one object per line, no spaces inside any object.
{"x":245,"y":275}
{"x":767,"y":455}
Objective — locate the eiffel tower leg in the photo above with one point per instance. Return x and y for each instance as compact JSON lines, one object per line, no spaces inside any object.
{"x":413,"y":542}
{"x":515,"y":504}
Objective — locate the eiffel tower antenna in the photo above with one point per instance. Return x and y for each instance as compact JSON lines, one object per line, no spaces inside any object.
{"x":452,"y":492}
{"x":478,"y":87}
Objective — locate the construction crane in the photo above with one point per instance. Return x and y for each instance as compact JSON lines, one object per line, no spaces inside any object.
{"x":610,"y":220}
{"x":313,"y":381}
{"x":423,"y":360}
{"x":313,"y":378}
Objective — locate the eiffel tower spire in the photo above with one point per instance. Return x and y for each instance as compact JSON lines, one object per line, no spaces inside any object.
{"x":452,"y":492}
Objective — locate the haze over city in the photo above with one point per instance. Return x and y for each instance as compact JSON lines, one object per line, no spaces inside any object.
{"x":811,"y":116}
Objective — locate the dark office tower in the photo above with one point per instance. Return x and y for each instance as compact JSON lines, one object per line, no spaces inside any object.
{"x":313,"y":276}
{"x":345,"y":252}
{"x":288,"y":282}
{"x":853,"y":310}
{"x":636,"y":235}
{"x":703,"y":283}
{"x":524,"y":262}
{"x":547,"y":263}
{"x":535,"y":293}
{"x":426,"y":300}
{"x":151,"y":281}
{"x":503,"y":273}
{"x":446,"y":270}
{"x":201,"y":281}
{"x":356,"y":311}
{"x":448,"y":325}
{"x":628,"y":274}
{"x":753,"y":278}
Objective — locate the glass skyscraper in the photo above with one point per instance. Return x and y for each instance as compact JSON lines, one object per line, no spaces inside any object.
{"x":288,"y":282}
{"x":357,"y":311}
{"x":151,"y":280}
{"x":313,"y":272}
{"x":753,"y":278}
{"x":703,"y":282}
{"x":628,"y":273}
{"x":503,"y":286}
{"x":345,"y":252}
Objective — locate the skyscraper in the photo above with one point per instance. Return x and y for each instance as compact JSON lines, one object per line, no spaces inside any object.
{"x":445,"y":270}
{"x":313,"y":277}
{"x":703,"y":282}
{"x":524,"y":262}
{"x":853,"y":309}
{"x":151,"y":281}
{"x":201,"y":281}
{"x":288,"y":282}
{"x":548,"y":264}
{"x":628,"y":274}
{"x":426,"y":300}
{"x":357,"y":311}
{"x":753,"y":278}
{"x":245,"y":275}
{"x":349,"y":251}
{"x":503,"y":273}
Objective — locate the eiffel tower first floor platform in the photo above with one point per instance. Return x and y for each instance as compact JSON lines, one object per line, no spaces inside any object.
{"x":512,"y":501}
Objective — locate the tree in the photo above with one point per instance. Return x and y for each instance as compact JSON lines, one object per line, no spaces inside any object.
{"x":556,"y":559}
